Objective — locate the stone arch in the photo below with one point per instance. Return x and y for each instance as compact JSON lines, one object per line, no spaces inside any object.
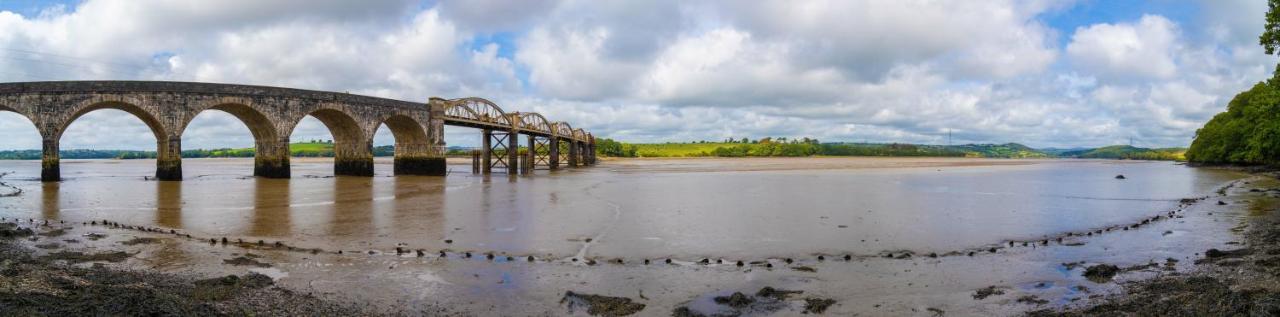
{"x":352,"y":146}
{"x":24,"y":115}
{"x":134,"y":107}
{"x":168,"y":143}
{"x":271,"y":150}
{"x":412,"y":146}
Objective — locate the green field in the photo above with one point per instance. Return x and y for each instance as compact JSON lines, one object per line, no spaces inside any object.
{"x":808,"y":147}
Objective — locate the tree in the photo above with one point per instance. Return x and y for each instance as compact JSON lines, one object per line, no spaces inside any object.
{"x":1270,"y":38}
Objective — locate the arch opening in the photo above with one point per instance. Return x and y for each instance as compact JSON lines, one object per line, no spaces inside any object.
{"x":412,"y":147}
{"x":94,"y":132}
{"x":352,"y":151}
{"x":22,"y":140}
{"x":222,"y":138}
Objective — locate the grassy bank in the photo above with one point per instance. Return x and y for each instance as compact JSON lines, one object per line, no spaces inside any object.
{"x":809,"y":147}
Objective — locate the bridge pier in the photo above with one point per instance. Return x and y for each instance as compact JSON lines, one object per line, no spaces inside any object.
{"x":574,"y":155}
{"x":271,"y":158}
{"x":513,"y":152}
{"x":169,"y":158}
{"x":50,"y":171}
{"x":431,"y":166}
{"x":352,"y":158}
{"x":553,"y":154}
{"x":486,"y":152}
{"x":530,"y":155}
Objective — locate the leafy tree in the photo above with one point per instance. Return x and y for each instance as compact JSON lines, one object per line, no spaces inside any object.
{"x":1249,"y":131}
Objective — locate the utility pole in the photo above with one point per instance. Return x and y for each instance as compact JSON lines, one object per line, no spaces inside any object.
{"x":948,"y":136}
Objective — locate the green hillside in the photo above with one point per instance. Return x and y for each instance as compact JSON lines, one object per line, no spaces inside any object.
{"x":810,"y":147}
{"x":1125,"y":152}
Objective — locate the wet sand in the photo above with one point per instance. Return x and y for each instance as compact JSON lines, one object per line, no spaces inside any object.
{"x":1012,"y":276}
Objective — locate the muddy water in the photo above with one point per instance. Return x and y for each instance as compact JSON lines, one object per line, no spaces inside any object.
{"x":752,"y":210}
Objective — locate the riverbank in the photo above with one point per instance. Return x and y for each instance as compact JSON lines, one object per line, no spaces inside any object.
{"x":1241,"y":281}
{"x":80,"y":283}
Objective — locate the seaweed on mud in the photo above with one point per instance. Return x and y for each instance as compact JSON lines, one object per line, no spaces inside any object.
{"x":1033,"y":300}
{"x":9,"y":231}
{"x":54,"y":233}
{"x":1215,"y":253}
{"x":736,"y":300}
{"x":776,"y":294}
{"x":245,"y":261}
{"x":222,"y":288}
{"x":140,"y":240}
{"x":983,"y":293}
{"x":1101,"y":273}
{"x":684,"y":311}
{"x":804,"y":269}
{"x":817,"y":305}
{"x":599,"y":305}
{"x":80,"y":257}
{"x":1193,"y":296}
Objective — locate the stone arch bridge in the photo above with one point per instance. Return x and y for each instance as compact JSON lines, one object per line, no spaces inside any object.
{"x":272,"y":113}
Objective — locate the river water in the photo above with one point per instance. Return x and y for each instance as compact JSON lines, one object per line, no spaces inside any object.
{"x":681,"y":209}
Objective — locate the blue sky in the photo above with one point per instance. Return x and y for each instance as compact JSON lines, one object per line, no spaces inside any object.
{"x":1044,"y":73}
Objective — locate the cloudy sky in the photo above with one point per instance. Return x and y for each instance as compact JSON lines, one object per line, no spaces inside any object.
{"x":1042,"y":73}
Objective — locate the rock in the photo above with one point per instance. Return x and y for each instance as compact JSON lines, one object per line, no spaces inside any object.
{"x":1121,"y":176}
{"x":245,"y":261}
{"x":1101,"y":273}
{"x":598,"y":305}
{"x":817,"y":305}
{"x":1215,"y":253}
{"x":776,"y":294}
{"x":988,"y":291}
{"x":1033,"y":300}
{"x":737,"y":300}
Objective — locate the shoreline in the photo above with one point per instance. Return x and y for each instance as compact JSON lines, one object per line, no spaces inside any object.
{"x":1244,"y":280}
{"x":242,"y":253}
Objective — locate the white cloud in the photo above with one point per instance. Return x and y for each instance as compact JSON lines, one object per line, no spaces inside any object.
{"x":887,"y":71}
{"x":1127,"y":50}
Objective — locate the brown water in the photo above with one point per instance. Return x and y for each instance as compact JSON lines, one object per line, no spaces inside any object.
{"x":748,"y":209}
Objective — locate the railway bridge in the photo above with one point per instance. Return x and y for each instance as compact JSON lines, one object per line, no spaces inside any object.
{"x":272,"y":113}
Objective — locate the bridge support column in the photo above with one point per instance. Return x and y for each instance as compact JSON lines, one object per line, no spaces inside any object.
{"x":271,"y":159}
{"x":591,"y":151}
{"x":50,"y":171}
{"x":486,"y":152}
{"x":513,"y":153}
{"x":415,"y":159}
{"x":574,"y":156}
{"x":426,"y":159}
{"x":353,"y":158}
{"x":531,"y":155}
{"x":553,"y":158}
{"x":169,"y":158}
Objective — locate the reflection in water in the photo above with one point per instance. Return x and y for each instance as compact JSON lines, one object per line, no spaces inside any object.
{"x":271,"y":210}
{"x":418,"y":207}
{"x":648,"y":210}
{"x":352,"y":209}
{"x":51,"y":204}
{"x":169,"y":204}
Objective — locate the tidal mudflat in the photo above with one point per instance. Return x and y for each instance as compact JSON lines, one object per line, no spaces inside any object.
{"x":840,"y":236}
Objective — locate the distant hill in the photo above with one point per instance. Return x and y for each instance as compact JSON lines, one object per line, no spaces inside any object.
{"x":1125,"y":152}
{"x":809,"y":147}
